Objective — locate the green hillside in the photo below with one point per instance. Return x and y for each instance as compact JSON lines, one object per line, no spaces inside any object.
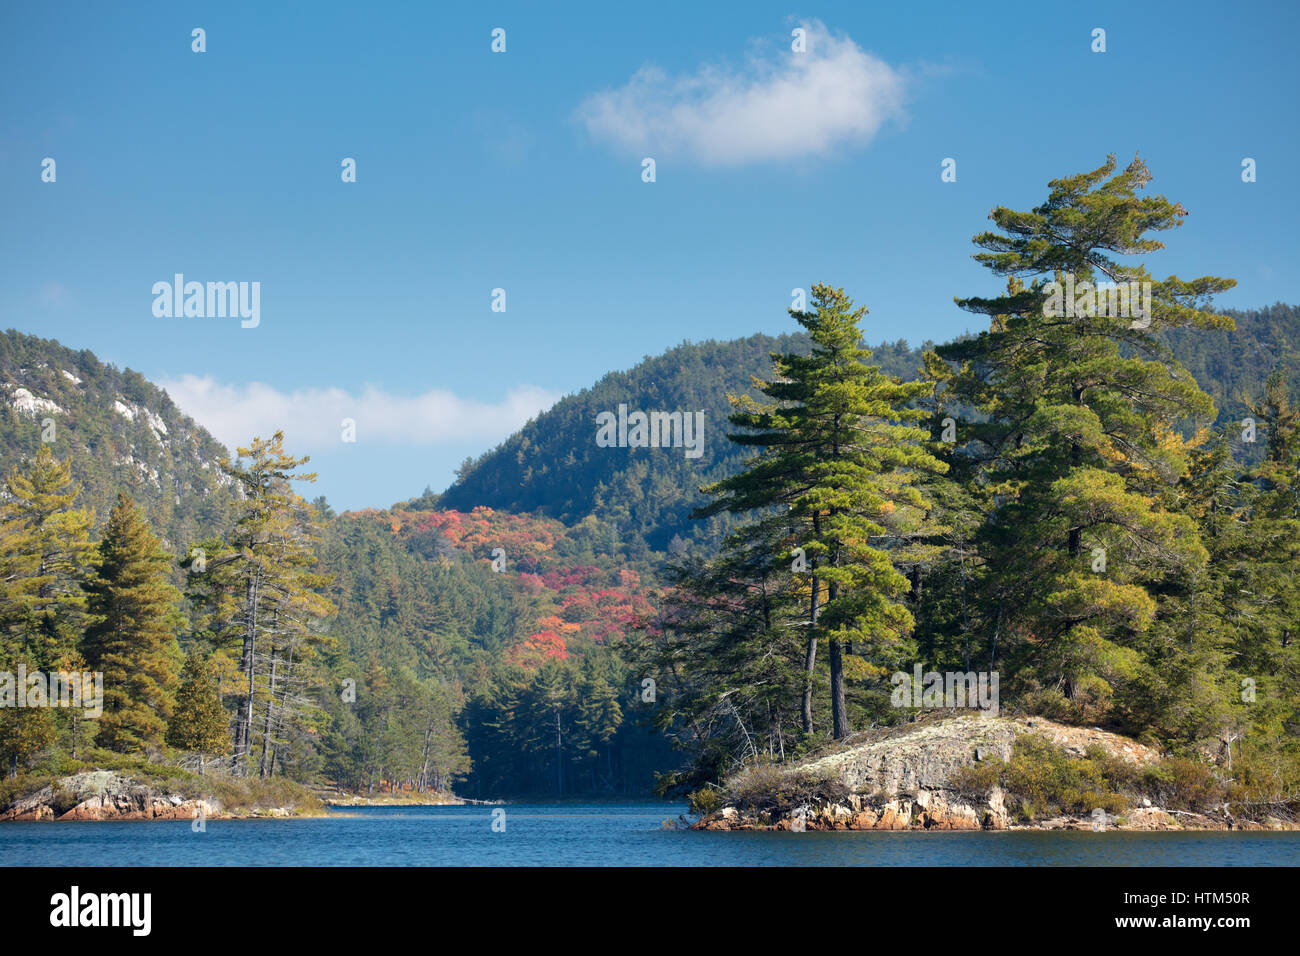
{"x":553,"y":466}
{"x":1232,"y":366}
{"x":121,"y":433}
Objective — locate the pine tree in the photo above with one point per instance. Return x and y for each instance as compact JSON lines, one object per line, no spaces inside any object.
{"x":841,"y":452}
{"x":1186,"y":696}
{"x":374,"y":708}
{"x":134,"y":638}
{"x":199,"y":724}
{"x":1076,"y":446}
{"x":261,"y":592}
{"x":599,"y":714}
{"x":48,"y":558}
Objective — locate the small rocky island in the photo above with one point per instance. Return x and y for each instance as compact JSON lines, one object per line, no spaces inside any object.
{"x":112,"y":795}
{"x":979,"y":772}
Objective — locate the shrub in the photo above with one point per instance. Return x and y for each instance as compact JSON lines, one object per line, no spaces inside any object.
{"x":772,"y":789}
{"x":704,"y":801}
{"x":1183,"y":784}
{"x":13,"y":789}
{"x":63,"y":800}
{"x":1040,"y":779}
{"x":1265,"y":782}
{"x":976,"y":781}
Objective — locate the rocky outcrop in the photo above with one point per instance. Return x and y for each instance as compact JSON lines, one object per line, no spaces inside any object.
{"x":104,"y":795}
{"x":919,"y":810}
{"x":925,"y":755}
{"x":902,"y":778}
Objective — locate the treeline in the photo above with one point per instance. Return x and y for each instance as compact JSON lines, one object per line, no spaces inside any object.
{"x":1049,"y":500}
{"x":239,"y":668}
{"x":71,"y":605}
{"x":537,"y":653}
{"x":369,"y":651}
{"x":553,"y":466}
{"x":574,"y":727}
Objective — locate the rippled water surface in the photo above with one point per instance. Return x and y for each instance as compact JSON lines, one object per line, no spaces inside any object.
{"x":598,"y":835}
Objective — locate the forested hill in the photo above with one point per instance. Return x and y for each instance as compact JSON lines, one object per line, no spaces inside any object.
{"x":118,"y":431}
{"x":470,"y":637}
{"x":1232,"y":366}
{"x":554,"y":467}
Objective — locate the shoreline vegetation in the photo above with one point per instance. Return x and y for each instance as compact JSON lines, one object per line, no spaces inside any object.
{"x":340,"y":798}
{"x":969,"y":771}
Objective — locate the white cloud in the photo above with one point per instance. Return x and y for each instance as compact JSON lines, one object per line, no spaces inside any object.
{"x":784,"y":105}
{"x":312,"y":416}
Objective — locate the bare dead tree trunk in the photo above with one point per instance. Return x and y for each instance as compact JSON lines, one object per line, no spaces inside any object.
{"x":559,"y":761}
{"x":244,"y":725}
{"x":809,"y":666}
{"x":424,"y":758}
{"x":266,"y":725}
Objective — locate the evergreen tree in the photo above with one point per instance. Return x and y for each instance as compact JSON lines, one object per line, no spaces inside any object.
{"x":1262,"y":596}
{"x":1076,"y":446}
{"x":599,"y":715}
{"x":133,"y":640}
{"x":261,"y":592}
{"x":199,"y":723}
{"x":48,"y":558}
{"x":728,"y":653}
{"x":374,"y":707}
{"x":841,"y":452}
{"x":24,"y":734}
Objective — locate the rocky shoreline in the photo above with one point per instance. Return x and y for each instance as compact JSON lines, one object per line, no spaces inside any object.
{"x":339,"y":799}
{"x":107,"y":795}
{"x":110,"y":795}
{"x":902,"y":778}
{"x":933,"y":810}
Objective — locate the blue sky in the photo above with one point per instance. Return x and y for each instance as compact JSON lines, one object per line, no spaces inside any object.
{"x":522,"y":170}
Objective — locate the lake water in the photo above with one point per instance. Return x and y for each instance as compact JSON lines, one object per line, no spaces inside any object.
{"x":598,"y":835}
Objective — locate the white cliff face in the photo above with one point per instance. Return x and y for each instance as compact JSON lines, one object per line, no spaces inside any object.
{"x":155,"y":422}
{"x":131,"y":412}
{"x":29,"y":404}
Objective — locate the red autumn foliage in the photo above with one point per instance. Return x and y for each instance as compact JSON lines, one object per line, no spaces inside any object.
{"x":574,"y":604}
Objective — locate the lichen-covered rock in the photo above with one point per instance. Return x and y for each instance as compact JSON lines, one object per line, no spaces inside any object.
{"x":105,"y":795}
{"x":925,"y":755}
{"x":902,"y":778}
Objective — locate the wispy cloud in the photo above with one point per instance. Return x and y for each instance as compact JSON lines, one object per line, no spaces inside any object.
{"x":782,"y":105}
{"x":54,"y":295}
{"x":313,"y":416}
